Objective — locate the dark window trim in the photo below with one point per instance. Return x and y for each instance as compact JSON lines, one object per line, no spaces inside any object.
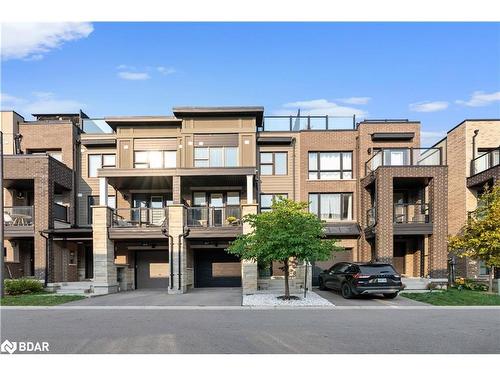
{"x":102,"y":162}
{"x":207,"y":196}
{"x":341,"y":204}
{"x":273,"y":163}
{"x":273,"y":196}
{"x":318,"y":169}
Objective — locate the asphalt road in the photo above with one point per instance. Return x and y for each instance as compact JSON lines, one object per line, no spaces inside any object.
{"x":348,"y":330}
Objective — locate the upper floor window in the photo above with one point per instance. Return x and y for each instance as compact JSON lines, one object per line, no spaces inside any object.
{"x":330,"y":165}
{"x":266,"y":200}
{"x":205,"y":157}
{"x":155,"y":159}
{"x":97,"y":161}
{"x":331,"y":206}
{"x":273,"y":163}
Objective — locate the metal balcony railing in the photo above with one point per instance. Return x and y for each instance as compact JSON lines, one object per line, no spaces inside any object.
{"x":371,"y":217}
{"x":61,"y":212}
{"x":485,"y":161}
{"x":139,"y":217}
{"x":407,"y":213}
{"x":18,"y":216}
{"x":296,"y":123}
{"x":213,"y":216}
{"x":404,"y":157}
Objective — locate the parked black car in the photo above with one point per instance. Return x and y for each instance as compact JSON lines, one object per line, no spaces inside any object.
{"x":353,"y":279}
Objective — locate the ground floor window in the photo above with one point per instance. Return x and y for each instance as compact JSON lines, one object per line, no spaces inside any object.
{"x":484,"y":270}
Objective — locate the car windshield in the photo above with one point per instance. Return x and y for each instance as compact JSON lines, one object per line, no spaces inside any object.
{"x":377,"y":270}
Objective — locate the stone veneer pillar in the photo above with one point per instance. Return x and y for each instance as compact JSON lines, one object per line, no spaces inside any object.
{"x":248,"y":267}
{"x":175,"y":229}
{"x":105,"y":280}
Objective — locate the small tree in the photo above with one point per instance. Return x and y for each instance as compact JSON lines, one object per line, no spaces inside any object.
{"x":286,"y":232}
{"x":480,"y":237}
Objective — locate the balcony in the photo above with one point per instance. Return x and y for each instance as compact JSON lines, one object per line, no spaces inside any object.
{"x":486,"y":161}
{"x":18,"y":221}
{"x":407,"y":213}
{"x":138,"y":223}
{"x":140,"y":217}
{"x":297,"y":123}
{"x":397,"y":157}
{"x":214,"y":221}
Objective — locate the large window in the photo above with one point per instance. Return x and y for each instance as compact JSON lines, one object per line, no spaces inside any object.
{"x":97,"y":161}
{"x":266,"y":200}
{"x":330,"y":165}
{"x":205,"y":157}
{"x":93,"y":200}
{"x":273,"y":163}
{"x":155,"y":159}
{"x":331,"y":206}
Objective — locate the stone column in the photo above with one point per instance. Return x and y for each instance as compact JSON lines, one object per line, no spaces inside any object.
{"x":250,"y":189}
{"x":103,"y":191}
{"x":176,"y":222}
{"x":105,"y":280}
{"x":248,"y":268}
{"x":176,"y":189}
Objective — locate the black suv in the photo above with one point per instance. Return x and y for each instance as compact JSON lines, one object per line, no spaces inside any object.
{"x":353,"y":279}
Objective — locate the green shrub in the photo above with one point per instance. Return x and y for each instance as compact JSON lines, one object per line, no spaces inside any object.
{"x":471,"y":284}
{"x":22,"y":286}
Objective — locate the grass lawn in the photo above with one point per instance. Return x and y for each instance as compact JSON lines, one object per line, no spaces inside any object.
{"x":40,"y":299}
{"x":455,"y":297}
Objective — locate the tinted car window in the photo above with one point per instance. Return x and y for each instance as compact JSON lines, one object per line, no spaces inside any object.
{"x":376,"y":270}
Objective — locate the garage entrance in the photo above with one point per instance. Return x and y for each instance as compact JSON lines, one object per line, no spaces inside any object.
{"x":216,"y":268}
{"x":152,"y":269}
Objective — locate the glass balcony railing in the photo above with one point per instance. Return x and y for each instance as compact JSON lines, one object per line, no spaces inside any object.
{"x":213,"y":216}
{"x":18,"y":216}
{"x":297,"y":123}
{"x":404,"y":157}
{"x":139,"y":217}
{"x":96,"y":126}
{"x":485,"y":161}
{"x":407,"y":213}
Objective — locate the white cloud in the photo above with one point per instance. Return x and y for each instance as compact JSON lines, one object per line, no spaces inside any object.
{"x":40,"y":102}
{"x":319,"y":107}
{"x":30,"y":41}
{"x":429,"y":106}
{"x":165,"y":70}
{"x":356,"y":100}
{"x":134,"y":76}
{"x":481,"y":99}
{"x":430,"y":138}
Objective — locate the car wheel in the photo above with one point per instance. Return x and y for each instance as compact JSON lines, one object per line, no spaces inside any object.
{"x":321,"y":284}
{"x":391,"y":295}
{"x":346,"y":291}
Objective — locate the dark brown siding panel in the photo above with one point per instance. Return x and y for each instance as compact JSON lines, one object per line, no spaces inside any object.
{"x":230,"y":140}
{"x":145,"y":144}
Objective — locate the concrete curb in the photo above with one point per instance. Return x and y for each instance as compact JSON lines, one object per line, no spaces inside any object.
{"x":250,"y":308}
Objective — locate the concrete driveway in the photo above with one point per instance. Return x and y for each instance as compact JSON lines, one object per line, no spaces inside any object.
{"x":338,"y":300}
{"x":156,"y":297}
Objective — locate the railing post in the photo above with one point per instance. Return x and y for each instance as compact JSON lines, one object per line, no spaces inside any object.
{"x":308,"y":122}
{"x":290,"y":125}
{"x":354,"y":122}
{"x":326,"y":121}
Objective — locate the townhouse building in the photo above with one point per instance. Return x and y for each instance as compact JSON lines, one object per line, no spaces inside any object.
{"x":133,"y":202}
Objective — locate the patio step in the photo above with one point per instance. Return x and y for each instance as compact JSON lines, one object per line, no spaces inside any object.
{"x":77,"y":287}
{"x":415,"y":283}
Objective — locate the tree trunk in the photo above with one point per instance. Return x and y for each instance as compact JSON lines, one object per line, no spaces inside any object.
{"x":287,"y":286}
{"x":490,"y":279}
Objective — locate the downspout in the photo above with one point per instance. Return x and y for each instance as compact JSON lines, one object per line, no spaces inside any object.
{"x":47,"y":239}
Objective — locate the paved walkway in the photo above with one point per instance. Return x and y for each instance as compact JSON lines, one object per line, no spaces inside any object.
{"x":338,"y":300}
{"x":155,"y":297}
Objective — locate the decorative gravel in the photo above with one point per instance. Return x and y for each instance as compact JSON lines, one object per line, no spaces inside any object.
{"x":262,"y":299}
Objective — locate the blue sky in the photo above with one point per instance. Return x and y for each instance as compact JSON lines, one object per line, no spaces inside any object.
{"x":438,"y":73}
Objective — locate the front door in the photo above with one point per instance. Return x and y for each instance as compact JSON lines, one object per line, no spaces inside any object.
{"x":152,"y":269}
{"x":399,"y":256}
{"x":89,"y":262}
